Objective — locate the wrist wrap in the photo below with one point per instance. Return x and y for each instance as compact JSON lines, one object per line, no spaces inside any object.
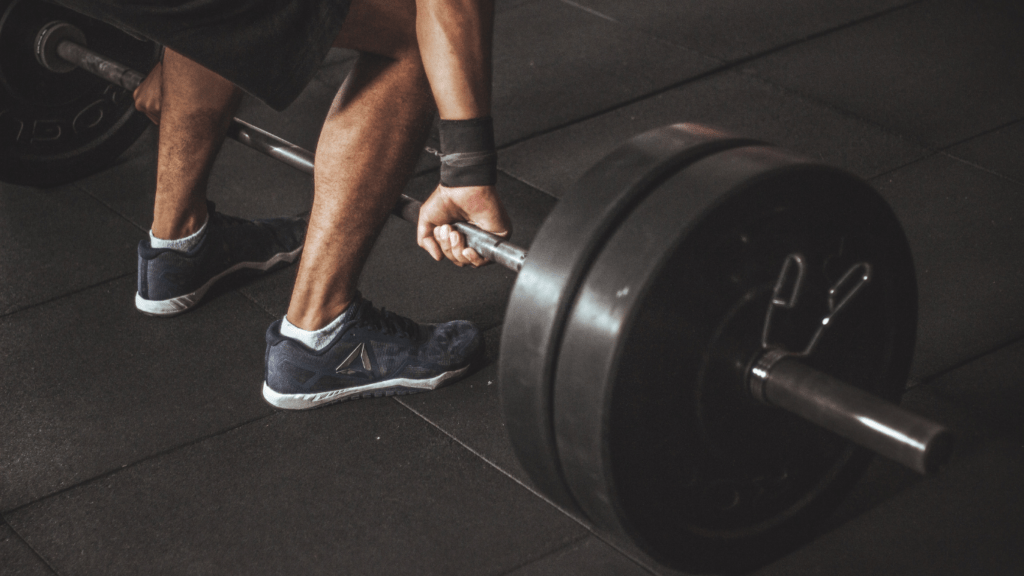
{"x":468,"y":156}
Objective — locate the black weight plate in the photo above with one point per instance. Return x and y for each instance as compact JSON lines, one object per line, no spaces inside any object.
{"x":658,"y":435}
{"x":57,"y":128}
{"x":559,"y":256}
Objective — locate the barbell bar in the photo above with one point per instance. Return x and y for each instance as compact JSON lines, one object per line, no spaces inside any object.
{"x":561,"y":292}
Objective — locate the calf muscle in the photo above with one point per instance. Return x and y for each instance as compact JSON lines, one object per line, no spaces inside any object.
{"x":367,"y":151}
{"x":196,"y":107}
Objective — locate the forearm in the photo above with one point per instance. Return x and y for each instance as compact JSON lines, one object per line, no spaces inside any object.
{"x":454,"y":39}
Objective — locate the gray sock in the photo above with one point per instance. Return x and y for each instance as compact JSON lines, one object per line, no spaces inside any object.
{"x":316,"y":339}
{"x":182,"y":244}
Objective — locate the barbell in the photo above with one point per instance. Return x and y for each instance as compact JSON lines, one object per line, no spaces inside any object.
{"x":57,"y":128}
{"x":702,"y":346}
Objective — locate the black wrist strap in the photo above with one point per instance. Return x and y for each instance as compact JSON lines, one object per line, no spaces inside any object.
{"x":468,"y":156}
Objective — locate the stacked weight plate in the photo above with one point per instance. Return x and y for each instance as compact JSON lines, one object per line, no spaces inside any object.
{"x":561,"y":254}
{"x":627,"y":350}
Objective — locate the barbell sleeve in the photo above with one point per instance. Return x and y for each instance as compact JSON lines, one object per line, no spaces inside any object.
{"x":101,"y":66}
{"x":486,"y":244}
{"x":885,"y":428}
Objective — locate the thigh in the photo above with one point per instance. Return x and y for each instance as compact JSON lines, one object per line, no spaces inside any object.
{"x":382,"y":27}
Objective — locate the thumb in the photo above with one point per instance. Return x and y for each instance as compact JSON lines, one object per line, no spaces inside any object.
{"x":495,"y":222}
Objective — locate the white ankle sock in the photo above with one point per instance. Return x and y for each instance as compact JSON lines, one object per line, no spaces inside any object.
{"x":316,"y":339}
{"x":182,"y":244}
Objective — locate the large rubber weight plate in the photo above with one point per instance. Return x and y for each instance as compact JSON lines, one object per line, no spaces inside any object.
{"x":659,"y":438}
{"x":559,"y":256}
{"x":57,"y":128}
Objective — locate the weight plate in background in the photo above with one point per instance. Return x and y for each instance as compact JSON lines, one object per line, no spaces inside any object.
{"x":560,"y":255}
{"x":659,"y":438}
{"x":57,"y":128}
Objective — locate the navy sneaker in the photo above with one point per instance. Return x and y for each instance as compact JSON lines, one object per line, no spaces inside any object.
{"x":376,"y":353}
{"x":171,"y":282}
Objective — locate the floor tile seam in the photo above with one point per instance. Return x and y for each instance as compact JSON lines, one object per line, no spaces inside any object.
{"x":985,"y":169}
{"x":994,"y":129}
{"x":933,"y":154}
{"x":575,"y":541}
{"x":590,"y":11}
{"x":725,"y":66}
{"x":825,"y":32}
{"x":897,"y":168}
{"x":850,"y":115}
{"x":844,"y":113}
{"x":547,"y":554}
{"x":1002,"y":345}
{"x":614,"y":107}
{"x":947,"y":150}
{"x":30,"y":547}
{"x":582,"y":523}
{"x":68,"y":294}
{"x":256,"y":303}
{"x":89,"y":193}
{"x":159,"y":454}
{"x":811,"y":36}
{"x":641,"y":31}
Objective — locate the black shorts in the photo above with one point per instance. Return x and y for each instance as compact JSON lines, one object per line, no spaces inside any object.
{"x":269,"y":48}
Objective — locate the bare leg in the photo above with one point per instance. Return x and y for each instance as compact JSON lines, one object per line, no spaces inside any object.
{"x":367,"y":151}
{"x":196,"y":107}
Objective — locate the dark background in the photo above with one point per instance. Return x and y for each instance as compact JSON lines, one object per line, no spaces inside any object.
{"x":133,"y":445}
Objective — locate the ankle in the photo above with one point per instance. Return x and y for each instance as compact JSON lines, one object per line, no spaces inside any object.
{"x":315,"y":305}
{"x":316,"y":339}
{"x":184,"y":244}
{"x":312,"y":319}
{"x":178,"y":224}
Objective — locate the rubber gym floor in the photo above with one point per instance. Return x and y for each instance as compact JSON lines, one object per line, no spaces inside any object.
{"x":134,"y":445}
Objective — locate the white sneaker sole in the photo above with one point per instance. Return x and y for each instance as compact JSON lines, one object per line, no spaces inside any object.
{"x":179,"y":304}
{"x":307,"y":401}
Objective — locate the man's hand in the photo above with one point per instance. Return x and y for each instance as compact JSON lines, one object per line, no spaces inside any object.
{"x":149,"y":94}
{"x":477,"y":205}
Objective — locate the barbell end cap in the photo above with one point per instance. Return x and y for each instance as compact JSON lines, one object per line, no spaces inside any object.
{"x":940,"y":448}
{"x":49,"y":38}
{"x":881,"y":426}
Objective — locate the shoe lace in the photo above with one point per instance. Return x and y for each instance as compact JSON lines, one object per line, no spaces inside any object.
{"x":387,"y":322}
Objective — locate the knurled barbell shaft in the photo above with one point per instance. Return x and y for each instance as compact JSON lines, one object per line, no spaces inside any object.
{"x":846,"y":410}
{"x":99,"y":65}
{"x":883,"y":427}
{"x":488,"y":245}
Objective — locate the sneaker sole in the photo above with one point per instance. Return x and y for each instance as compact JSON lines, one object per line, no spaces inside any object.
{"x":179,"y":304}
{"x":395,"y":387}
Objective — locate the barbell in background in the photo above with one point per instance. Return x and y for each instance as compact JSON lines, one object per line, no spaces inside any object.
{"x":705,"y":336}
{"x":58,"y":128}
